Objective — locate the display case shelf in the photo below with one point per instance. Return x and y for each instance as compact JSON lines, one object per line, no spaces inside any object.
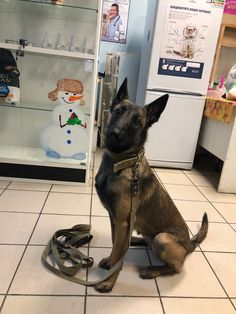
{"x":66,"y":3}
{"x":62,"y":45}
{"x":46,"y":51}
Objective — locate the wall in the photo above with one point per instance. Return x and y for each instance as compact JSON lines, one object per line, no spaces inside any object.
{"x":131,"y":51}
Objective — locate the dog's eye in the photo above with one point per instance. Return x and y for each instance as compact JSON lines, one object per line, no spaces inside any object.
{"x":137,"y":121}
{"x":117,"y":112}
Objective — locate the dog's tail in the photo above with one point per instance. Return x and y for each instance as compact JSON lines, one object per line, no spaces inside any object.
{"x":200,"y":236}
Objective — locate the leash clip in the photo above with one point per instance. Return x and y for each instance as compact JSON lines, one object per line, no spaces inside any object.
{"x":134,"y":186}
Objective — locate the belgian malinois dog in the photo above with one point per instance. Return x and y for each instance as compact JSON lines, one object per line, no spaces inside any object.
{"x":157,"y":218}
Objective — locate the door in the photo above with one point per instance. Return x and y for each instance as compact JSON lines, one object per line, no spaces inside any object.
{"x":174,"y":137}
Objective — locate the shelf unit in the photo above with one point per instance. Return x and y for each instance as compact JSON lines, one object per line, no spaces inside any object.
{"x":63,"y":43}
{"x":227,"y":38}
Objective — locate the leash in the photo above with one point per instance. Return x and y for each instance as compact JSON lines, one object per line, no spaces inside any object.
{"x":62,"y":248}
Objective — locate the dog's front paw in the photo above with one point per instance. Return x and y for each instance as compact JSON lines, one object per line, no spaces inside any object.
{"x":105,"y":263}
{"x":105,"y":286}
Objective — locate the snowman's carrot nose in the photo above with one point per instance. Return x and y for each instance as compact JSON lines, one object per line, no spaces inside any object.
{"x":74,"y":98}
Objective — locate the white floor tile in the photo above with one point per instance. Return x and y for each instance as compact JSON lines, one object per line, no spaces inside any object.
{"x":197,"y":306}
{"x":128,"y":283}
{"x":184,"y":192}
{"x":43,"y":305}
{"x":22,"y":201}
{"x":174,"y":178}
{"x":1,"y":299}
{"x":95,"y":171}
{"x":192,"y":210}
{"x":167,"y":170}
{"x":116,"y":305}
{"x":97,"y":207}
{"x":213,"y":196}
{"x":228,"y":211}
{"x":72,"y":188}
{"x":200,"y":180}
{"x":17,"y":185}
{"x":49,"y":224}
{"x":33,"y":278}
{"x":68,"y":203}
{"x":9,"y":258}
{"x":101,"y":232}
{"x":224,"y":266}
{"x":220,"y":237}
{"x":16,"y":228}
{"x":195,"y":280}
{"x":35,"y":290}
{"x":4,"y":183}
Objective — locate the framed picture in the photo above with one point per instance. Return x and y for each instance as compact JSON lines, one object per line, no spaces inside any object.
{"x":115,"y":20}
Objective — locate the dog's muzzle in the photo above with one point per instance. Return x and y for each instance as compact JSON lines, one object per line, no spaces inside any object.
{"x":115,"y":134}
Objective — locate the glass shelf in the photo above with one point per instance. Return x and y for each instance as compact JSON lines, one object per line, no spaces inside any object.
{"x":34,"y":155}
{"x":75,"y":4}
{"x":32,"y":106}
{"x":48,"y":25}
{"x":66,"y":3}
{"x":46,"y":51}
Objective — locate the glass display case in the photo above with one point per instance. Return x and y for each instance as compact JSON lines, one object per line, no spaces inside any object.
{"x":46,"y":132}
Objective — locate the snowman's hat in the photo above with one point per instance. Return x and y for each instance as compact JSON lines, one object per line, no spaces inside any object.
{"x":66,"y":85}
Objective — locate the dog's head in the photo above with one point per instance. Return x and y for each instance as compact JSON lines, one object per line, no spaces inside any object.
{"x":190,"y":31}
{"x":128,"y":125}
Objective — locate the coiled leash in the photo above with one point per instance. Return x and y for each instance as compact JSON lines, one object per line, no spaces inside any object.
{"x":63,"y":248}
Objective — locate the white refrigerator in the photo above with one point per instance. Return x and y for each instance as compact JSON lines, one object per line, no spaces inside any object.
{"x":177,"y":56}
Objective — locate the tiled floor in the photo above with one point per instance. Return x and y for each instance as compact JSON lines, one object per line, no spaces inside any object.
{"x":30,"y":213}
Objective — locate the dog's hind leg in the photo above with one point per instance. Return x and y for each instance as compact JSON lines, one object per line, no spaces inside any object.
{"x":170,"y":252}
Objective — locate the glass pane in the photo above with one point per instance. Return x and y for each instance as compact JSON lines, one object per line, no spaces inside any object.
{"x":10,"y":114}
{"x":68,"y":27}
{"x":57,"y":91}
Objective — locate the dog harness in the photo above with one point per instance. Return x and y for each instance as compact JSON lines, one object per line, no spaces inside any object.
{"x":62,"y":256}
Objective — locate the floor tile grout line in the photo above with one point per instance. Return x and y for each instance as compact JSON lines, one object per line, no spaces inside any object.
{"x":23,"y":254}
{"x":157,"y":287}
{"x":109,"y":247}
{"x":229,"y":223}
{"x":90,"y":214}
{"x":214,"y":272}
{"x":119,"y":296}
{"x":52,"y":192}
{"x":215,"y":208}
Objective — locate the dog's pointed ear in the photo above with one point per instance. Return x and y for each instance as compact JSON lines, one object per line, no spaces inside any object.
{"x":121,"y":94}
{"x":155,"y":109}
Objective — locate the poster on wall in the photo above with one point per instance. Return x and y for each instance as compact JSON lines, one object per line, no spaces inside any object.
{"x":115,"y":20}
{"x":230,"y":7}
{"x":188,"y":28}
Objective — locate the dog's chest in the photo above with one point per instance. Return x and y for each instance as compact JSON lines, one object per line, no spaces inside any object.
{"x":103,"y":181}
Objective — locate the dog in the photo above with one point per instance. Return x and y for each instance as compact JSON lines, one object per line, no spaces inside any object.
{"x":189,"y":33}
{"x":157,"y":218}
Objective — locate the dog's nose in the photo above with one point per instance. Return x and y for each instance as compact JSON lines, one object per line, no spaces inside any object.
{"x":115,"y":133}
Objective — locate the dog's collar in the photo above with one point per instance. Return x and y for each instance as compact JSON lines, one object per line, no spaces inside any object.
{"x":123,"y":161}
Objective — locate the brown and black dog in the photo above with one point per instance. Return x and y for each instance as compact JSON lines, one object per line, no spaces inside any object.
{"x":157,"y":218}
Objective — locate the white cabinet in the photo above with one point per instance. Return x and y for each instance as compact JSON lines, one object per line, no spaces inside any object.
{"x":62,"y":44}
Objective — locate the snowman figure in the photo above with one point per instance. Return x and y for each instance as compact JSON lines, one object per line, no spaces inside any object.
{"x":66,"y":136}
